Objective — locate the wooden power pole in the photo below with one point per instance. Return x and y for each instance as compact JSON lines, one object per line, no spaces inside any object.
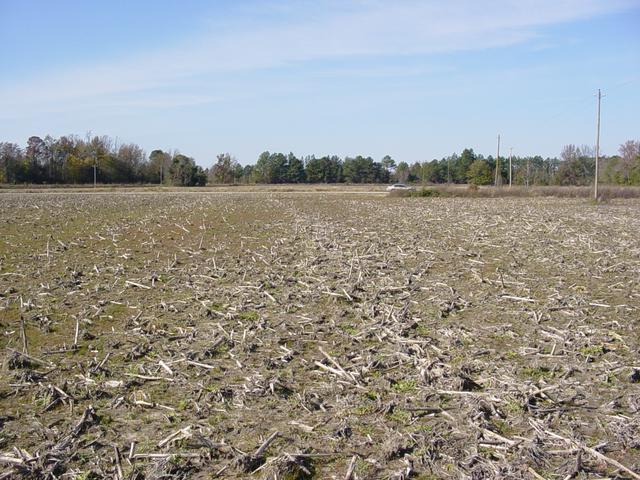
{"x":510,"y":155}
{"x":498,"y":180}
{"x":595,"y":183}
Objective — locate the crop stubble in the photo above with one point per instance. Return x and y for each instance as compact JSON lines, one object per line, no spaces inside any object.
{"x":307,"y":335}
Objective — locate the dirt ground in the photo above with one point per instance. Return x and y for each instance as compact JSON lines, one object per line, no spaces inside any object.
{"x":312,"y":335}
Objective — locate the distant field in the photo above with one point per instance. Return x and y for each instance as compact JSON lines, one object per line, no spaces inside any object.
{"x":606,"y":192}
{"x":320,"y":187}
{"x":306,"y":335}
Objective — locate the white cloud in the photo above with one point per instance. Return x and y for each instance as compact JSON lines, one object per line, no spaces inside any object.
{"x":295,"y":33}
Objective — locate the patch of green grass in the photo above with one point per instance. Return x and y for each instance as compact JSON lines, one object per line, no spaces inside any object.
{"x":6,"y":268}
{"x":458,"y":359}
{"x":400,"y":416}
{"x":105,"y":420}
{"x":485,"y":451}
{"x":538,"y":373}
{"x":371,"y":395}
{"x":421,"y":428}
{"x":216,"y":419}
{"x":114,"y":309}
{"x":513,"y":407}
{"x":11,"y":313}
{"x":500,"y":337}
{"x":365,"y":429}
{"x":502,"y":427}
{"x":511,"y":355}
{"x":79,"y":350}
{"x":363,"y":468}
{"x":351,"y":330}
{"x":404,"y":386}
{"x":363,"y":410}
{"x":592,"y":350}
{"x":87,"y":475}
{"x":249,"y":316}
{"x":423,"y":331}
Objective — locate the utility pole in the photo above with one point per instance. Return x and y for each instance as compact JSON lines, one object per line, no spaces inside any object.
{"x":448,"y":170}
{"x":498,"y":180}
{"x":510,"y":155}
{"x":161,"y":163}
{"x":595,"y":189}
{"x":95,"y":167}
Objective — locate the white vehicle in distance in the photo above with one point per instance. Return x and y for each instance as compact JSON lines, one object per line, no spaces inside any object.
{"x":399,"y":186}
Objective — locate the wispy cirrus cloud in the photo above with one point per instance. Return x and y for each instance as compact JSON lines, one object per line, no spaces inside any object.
{"x":270,"y":35}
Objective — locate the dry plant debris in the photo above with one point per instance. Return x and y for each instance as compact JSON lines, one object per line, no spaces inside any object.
{"x":316,"y":335}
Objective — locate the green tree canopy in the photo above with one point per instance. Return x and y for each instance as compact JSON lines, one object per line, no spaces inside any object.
{"x":479,"y":173}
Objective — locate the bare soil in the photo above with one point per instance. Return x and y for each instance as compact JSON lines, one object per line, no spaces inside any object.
{"x":313,"y":335}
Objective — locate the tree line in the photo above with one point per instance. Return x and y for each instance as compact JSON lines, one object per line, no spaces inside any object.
{"x":576,"y":166}
{"x":75,"y":160}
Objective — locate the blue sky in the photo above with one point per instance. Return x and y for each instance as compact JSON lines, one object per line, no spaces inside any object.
{"x":414,"y":79}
